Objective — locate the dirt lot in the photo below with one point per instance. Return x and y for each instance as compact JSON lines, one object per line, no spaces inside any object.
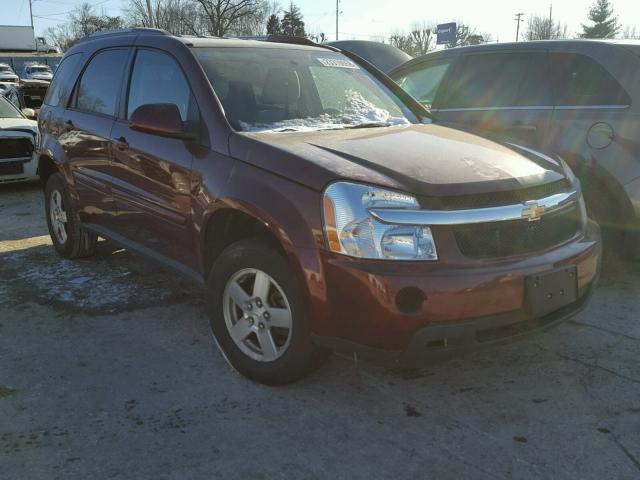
{"x":108,"y":370}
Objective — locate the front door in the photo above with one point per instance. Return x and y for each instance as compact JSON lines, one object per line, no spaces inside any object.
{"x":151,"y":173}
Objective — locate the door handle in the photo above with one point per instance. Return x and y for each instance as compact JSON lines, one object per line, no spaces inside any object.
{"x":121,"y":143}
{"x":524,"y":127}
{"x":68,"y":125}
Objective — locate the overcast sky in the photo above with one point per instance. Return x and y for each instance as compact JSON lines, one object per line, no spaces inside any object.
{"x":370,"y":19}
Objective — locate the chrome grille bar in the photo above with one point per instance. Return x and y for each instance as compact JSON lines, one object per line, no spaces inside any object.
{"x":480,"y":215}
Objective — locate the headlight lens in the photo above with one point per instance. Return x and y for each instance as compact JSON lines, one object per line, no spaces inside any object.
{"x":351,"y":230}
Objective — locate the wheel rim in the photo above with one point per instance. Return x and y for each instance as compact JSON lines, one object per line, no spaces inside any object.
{"x":257,"y":315}
{"x":58,"y":217}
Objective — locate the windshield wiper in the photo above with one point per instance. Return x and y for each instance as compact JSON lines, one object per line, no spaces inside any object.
{"x":368,"y":125}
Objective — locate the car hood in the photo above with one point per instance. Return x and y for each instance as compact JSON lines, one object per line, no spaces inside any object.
{"x":422,"y":159}
{"x":19,"y":124}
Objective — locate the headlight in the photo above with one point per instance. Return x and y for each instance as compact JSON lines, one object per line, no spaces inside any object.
{"x":351,"y":230}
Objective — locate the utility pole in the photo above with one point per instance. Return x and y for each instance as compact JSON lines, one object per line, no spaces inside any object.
{"x":151,"y":22}
{"x":518,"y":19}
{"x":35,"y":42}
{"x":337,"y":17}
{"x":550,"y":20}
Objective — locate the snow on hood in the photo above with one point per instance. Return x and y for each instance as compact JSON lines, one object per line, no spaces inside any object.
{"x":358,"y":111}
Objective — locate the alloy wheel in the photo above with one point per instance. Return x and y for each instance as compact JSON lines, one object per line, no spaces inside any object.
{"x":58,"y":216}
{"x":257,"y":315}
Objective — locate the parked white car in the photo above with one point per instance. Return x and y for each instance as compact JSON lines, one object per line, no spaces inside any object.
{"x":18,"y":144}
{"x":37,"y":72}
{"x":7,"y":75}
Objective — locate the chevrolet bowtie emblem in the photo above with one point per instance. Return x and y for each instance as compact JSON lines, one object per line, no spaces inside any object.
{"x":533,"y":212}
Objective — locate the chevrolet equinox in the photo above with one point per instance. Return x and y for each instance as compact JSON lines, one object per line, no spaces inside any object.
{"x":312,"y":198}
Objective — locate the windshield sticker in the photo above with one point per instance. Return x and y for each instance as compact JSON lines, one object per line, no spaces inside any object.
{"x":338,"y":63}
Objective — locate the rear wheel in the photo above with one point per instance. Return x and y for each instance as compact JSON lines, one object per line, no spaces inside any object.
{"x":259,"y":316}
{"x":69,"y":238}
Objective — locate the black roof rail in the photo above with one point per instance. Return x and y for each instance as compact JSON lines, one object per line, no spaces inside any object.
{"x":122,"y":31}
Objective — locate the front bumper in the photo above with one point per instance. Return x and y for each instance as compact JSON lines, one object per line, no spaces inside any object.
{"x":466,"y":306}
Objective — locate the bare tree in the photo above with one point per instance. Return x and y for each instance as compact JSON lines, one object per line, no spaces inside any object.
{"x":180,"y":17}
{"x":544,"y":28}
{"x":421,"y":39}
{"x":83,"y":21}
{"x":467,"y":35}
{"x":225,"y":16}
{"x":630,"y":33}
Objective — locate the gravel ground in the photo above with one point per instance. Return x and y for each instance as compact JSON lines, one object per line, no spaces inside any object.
{"x":108,"y":370}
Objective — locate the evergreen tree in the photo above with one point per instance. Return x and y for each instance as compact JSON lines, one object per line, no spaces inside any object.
{"x":292,"y":23}
{"x":273,"y":25}
{"x":605,"y":24}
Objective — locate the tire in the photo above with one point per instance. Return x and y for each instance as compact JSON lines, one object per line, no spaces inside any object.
{"x":290,"y":355}
{"x":69,"y":238}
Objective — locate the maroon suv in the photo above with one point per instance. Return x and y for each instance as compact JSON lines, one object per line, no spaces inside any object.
{"x":315,"y":201}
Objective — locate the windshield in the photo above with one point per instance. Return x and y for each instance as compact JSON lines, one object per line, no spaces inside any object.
{"x":280,"y":90}
{"x":7,"y":110}
{"x":4,"y":68}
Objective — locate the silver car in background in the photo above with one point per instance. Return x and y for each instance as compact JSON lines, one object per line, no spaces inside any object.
{"x":577,"y":98}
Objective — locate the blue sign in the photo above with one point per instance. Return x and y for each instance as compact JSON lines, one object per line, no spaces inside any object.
{"x":446,"y":33}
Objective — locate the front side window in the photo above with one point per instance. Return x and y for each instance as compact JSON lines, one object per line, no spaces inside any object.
{"x":60,"y":84}
{"x":99,"y":86}
{"x":424,"y":82}
{"x":581,"y":81}
{"x":499,"y":80}
{"x":157,"y":78}
{"x":276,"y":89}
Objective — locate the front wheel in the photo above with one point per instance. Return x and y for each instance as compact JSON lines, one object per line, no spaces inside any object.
{"x":259,"y":316}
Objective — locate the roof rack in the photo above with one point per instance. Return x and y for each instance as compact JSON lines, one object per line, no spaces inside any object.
{"x":123,"y":31}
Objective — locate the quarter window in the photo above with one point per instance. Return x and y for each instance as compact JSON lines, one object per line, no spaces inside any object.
{"x":157,"y":78}
{"x":100,"y":83}
{"x":424,"y":83}
{"x":59,"y":87}
{"x":580,"y":80}
{"x":500,"y":80}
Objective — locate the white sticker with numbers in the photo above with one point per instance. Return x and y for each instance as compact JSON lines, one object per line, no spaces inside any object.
{"x":338,"y":63}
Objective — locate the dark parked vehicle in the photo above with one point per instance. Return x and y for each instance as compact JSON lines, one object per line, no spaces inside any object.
{"x":27,"y":95}
{"x":578,"y":98}
{"x":312,"y":197}
{"x":381,"y":55}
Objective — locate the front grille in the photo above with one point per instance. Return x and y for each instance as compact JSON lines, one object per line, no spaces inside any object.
{"x":518,"y":237}
{"x":495,"y":199}
{"x":11,"y":168}
{"x":16,"y":147}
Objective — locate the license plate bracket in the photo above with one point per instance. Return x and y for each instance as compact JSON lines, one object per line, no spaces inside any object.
{"x":547,"y":292}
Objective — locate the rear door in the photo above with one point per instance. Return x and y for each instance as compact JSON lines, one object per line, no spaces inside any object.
{"x":507,"y":94}
{"x":152,"y":173}
{"x":86,"y":132}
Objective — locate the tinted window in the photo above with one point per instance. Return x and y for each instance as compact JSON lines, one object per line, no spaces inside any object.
{"x":157,"y":78}
{"x":424,"y":83}
{"x":100,"y":83}
{"x":580,"y":80}
{"x":61,"y":82}
{"x":500,"y":80}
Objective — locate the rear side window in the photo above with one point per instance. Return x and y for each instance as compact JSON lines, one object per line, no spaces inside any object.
{"x":157,"y":78}
{"x":581,"y":81}
{"x":500,"y":80}
{"x":424,"y":83}
{"x":99,"y":86}
{"x":62,"y":83}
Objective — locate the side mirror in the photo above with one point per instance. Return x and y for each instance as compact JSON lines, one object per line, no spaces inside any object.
{"x":161,"y":119}
{"x":29,"y":113}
